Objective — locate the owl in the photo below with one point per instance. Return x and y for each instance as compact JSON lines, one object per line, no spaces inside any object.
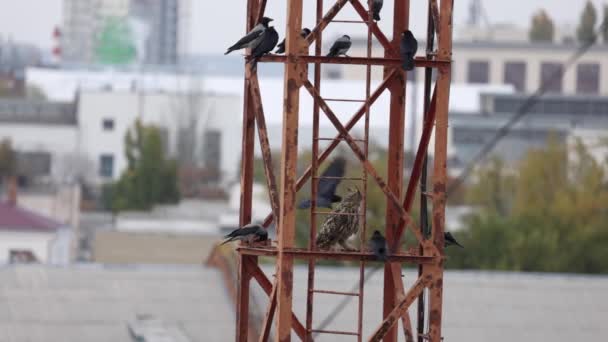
{"x":337,"y":228}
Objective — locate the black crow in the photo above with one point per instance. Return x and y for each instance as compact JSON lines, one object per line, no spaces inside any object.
{"x":326,"y":191}
{"x":250,"y":233}
{"x":268,"y":41}
{"x":376,"y":7}
{"x":408,"y":48}
{"x":450,"y":240}
{"x":252,"y":37}
{"x":281,"y":47}
{"x":379,"y":246}
{"x":340,"y":47}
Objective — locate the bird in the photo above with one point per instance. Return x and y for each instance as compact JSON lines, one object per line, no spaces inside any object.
{"x":281,"y":47}
{"x":376,"y":7}
{"x":340,"y":47}
{"x":267,"y":42}
{"x":378,"y":246}
{"x":337,"y":227}
{"x":408,"y":48}
{"x":326,"y":191}
{"x":250,"y":233}
{"x":450,"y":240}
{"x":252,"y":37}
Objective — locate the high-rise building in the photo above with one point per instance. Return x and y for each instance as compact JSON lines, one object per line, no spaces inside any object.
{"x":157,"y":29}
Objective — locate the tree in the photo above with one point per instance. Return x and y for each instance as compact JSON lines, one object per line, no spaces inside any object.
{"x":115,"y":43}
{"x":150,"y":177}
{"x":586,"y":28}
{"x":542,"y":29}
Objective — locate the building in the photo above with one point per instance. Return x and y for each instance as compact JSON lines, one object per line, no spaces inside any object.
{"x":562,"y":117}
{"x":26,"y":236}
{"x":158,"y":29}
{"x":525,"y":65}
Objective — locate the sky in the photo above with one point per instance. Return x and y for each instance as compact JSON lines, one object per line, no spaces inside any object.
{"x":213,"y":28}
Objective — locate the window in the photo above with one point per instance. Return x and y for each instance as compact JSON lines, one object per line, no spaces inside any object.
{"x":106,"y":165}
{"x":515,"y":74}
{"x":551,"y":77}
{"x":588,"y":78}
{"x":108,"y":124}
{"x":478,"y":72}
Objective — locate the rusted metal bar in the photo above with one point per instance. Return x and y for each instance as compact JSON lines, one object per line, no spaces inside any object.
{"x":261,"y":10}
{"x":434,"y":15}
{"x":428,"y":75}
{"x":349,"y":21}
{"x":357,"y":151}
{"x":314,"y":184}
{"x":243,"y":279}
{"x":417,"y":168}
{"x":339,"y":139}
{"x":334,"y":332}
{"x":264,"y":145}
{"x":337,"y":213}
{"x":291,"y":99}
{"x":351,"y":123}
{"x":420,"y":62}
{"x":342,"y":100}
{"x":400,"y":308}
{"x":266,"y":285}
{"x":440,"y":169}
{"x":375,"y":29}
{"x":337,"y":255}
{"x":353,"y":294}
{"x":267,"y":324}
{"x":322,"y":24}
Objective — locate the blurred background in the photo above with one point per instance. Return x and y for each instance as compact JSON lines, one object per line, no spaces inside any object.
{"x":120,"y":129}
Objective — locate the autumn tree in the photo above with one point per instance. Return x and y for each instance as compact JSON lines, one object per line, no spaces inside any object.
{"x":150,"y":178}
{"x":8,"y":163}
{"x":542,"y":29}
{"x":586,"y":27}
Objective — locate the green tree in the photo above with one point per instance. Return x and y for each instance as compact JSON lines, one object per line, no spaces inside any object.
{"x":150,"y":178}
{"x":542,"y":29}
{"x":115,"y":43}
{"x":556,"y":222}
{"x":586,"y":28}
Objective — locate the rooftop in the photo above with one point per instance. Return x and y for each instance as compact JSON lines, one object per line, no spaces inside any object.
{"x":14,"y":218}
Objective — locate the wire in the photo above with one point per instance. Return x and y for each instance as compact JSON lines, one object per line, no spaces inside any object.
{"x":522,"y":111}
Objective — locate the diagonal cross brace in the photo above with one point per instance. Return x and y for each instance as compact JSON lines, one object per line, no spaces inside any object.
{"x":344,"y":134}
{"x":364,"y":14}
{"x":329,"y":16}
{"x":351,"y":123}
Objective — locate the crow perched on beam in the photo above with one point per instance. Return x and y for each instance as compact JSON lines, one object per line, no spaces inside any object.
{"x":378,"y":246}
{"x":267,"y":42}
{"x":251,"y":39}
{"x":408,"y":48}
{"x":250,"y":233}
{"x":326,"y":191}
{"x":340,"y":47}
{"x":281,"y":47}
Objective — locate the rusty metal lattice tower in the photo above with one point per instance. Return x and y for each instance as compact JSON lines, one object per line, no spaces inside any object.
{"x":428,"y":253}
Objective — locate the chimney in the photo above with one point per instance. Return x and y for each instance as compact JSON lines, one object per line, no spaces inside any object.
{"x":11,"y":191}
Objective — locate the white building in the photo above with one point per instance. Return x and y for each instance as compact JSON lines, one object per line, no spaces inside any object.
{"x":29,"y":237}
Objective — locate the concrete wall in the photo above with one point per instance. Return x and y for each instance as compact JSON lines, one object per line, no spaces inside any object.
{"x":112,"y":247}
{"x":38,"y":243}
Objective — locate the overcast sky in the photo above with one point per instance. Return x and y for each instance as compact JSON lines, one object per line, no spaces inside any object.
{"x":214,"y":29}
